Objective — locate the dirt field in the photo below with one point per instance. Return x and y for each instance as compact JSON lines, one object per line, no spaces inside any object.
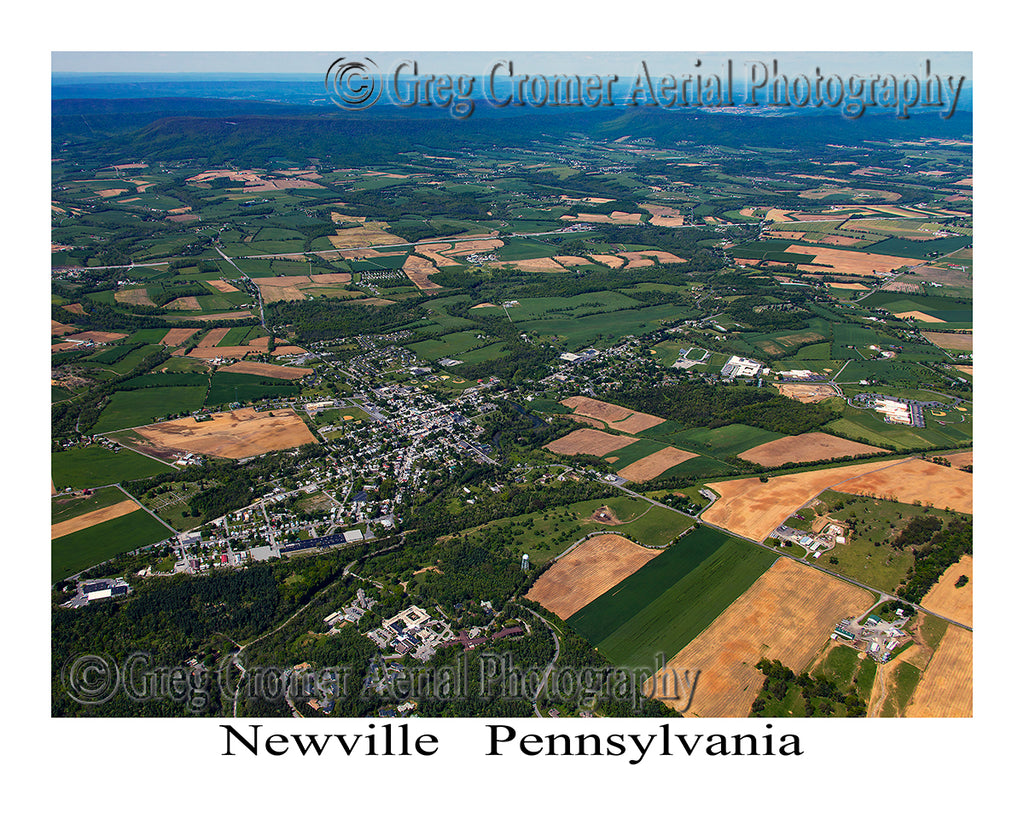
{"x":588,"y":442}
{"x":137,"y":295}
{"x":811,"y":446}
{"x":807,"y":393}
{"x":63,"y":347}
{"x":177,"y":337}
{"x":916,"y":480}
{"x":421,"y":278}
{"x":236,"y":434}
{"x":949,"y":601}
{"x":851,"y":261}
{"x":787,"y":614}
{"x":97,"y":337}
{"x":946,"y":688}
{"x":92,"y":518}
{"x":618,"y":418}
{"x":753,"y":509}
{"x":269,"y":370}
{"x":653,"y":465}
{"x":613,"y":262}
{"x":214,"y":337}
{"x":482,"y":304}
{"x":951,"y":341}
{"x":290,"y":349}
{"x":587,"y":572}
{"x":222,"y":286}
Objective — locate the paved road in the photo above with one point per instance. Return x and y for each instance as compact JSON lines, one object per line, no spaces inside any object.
{"x":551,"y":665}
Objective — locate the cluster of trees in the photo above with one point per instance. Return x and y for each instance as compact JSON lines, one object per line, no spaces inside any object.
{"x":820,"y":697}
{"x":329,"y":318}
{"x":931,"y":559}
{"x":768,"y":319}
{"x":713,"y":405}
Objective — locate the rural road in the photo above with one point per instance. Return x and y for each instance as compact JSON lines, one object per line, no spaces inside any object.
{"x":551,"y":665}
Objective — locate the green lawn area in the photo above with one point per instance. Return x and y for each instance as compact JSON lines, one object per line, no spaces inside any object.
{"x":140,"y":407}
{"x":96,"y":466}
{"x":669,"y":601}
{"x":80,"y":550}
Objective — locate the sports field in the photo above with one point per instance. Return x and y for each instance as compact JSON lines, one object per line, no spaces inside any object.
{"x":665,"y":604}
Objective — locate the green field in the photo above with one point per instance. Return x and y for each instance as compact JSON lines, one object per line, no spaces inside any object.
{"x":140,"y":407}
{"x":80,"y":550}
{"x":96,"y":466}
{"x":661,"y":607}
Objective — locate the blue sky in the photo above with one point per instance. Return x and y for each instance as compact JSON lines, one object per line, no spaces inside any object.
{"x":534,"y":62}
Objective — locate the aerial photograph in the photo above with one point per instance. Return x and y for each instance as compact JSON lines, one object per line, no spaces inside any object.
{"x":511,"y":385}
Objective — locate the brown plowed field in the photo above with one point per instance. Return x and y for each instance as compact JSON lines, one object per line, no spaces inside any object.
{"x":653,"y":465}
{"x":753,"y":509}
{"x":787,"y":614}
{"x":236,"y":434}
{"x":917,"y":480}
{"x":588,"y":442}
{"x":177,"y":337}
{"x":97,"y":337}
{"x":618,"y":418}
{"x":811,"y":446}
{"x":268,"y":370}
{"x":92,"y":518}
{"x":946,"y":688}
{"x":951,"y":341}
{"x":946,"y":599}
{"x":587,"y":572}
{"x":807,"y":393}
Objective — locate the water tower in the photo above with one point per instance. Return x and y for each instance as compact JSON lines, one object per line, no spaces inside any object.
{"x":526,"y":563}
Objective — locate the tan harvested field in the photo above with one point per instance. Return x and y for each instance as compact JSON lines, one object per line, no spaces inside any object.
{"x":184,"y":303}
{"x":588,"y":442}
{"x":587,"y":572}
{"x":959,"y":459}
{"x":237,"y":434}
{"x":946,"y":599}
{"x":58,"y":329}
{"x":268,"y":370}
{"x":235,"y":314}
{"x":544,"y":265}
{"x":572,"y":260}
{"x":848,"y":285}
{"x":222,"y":286}
{"x":63,"y":346}
{"x":965,"y":369}
{"x":618,"y":418}
{"x":110,"y":192}
{"x":482,"y":304}
{"x":613,"y":262}
{"x":92,"y":518}
{"x":617,"y":217}
{"x":97,"y":337}
{"x":916,"y":480}
{"x":289,"y":349}
{"x":653,"y":465}
{"x":433,"y":252}
{"x":946,"y":688}
{"x":787,"y":614}
{"x":643,"y":258}
{"x":281,"y":288}
{"x":807,"y":393}
{"x":919,"y":316}
{"x":137,"y":295}
{"x":464,"y":248}
{"x":592,"y":200}
{"x":331,"y":278}
{"x":851,"y":261}
{"x":369,"y":233}
{"x":811,"y":446}
{"x":418,"y":265}
{"x":951,"y":341}
{"x":753,"y":509}
{"x":75,"y":308}
{"x":262,"y":343}
{"x":177,"y":337}
{"x":214,"y":337}
{"x":665,"y":216}
{"x":421,"y":279}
